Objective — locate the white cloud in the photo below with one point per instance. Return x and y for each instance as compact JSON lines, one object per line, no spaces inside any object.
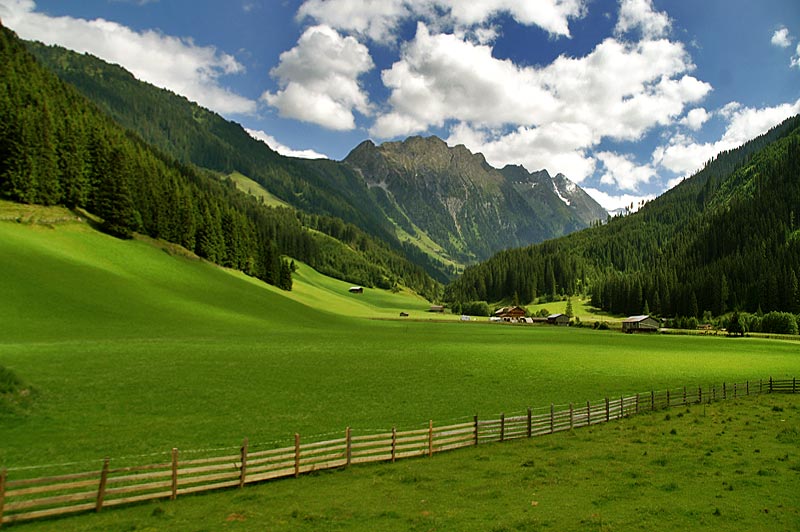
{"x":510,"y":113}
{"x":684,"y":156}
{"x":695,"y":118}
{"x":796,"y":58}
{"x":319,"y":79}
{"x":170,"y":62}
{"x":615,"y":202}
{"x":622,"y":172}
{"x":270,"y":141}
{"x":781,"y":38}
{"x":379,"y":19}
{"x":639,"y":14}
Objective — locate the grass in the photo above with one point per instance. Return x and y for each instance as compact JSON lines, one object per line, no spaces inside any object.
{"x":247,"y":185}
{"x":133,"y":348}
{"x":722,"y":467}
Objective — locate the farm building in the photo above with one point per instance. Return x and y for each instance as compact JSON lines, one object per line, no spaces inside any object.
{"x":510,"y":313}
{"x":639,"y":324}
{"x":558,"y":319}
{"x":356,"y":290}
{"x":436,"y":308}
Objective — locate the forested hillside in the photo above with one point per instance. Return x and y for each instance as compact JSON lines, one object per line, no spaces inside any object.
{"x":58,"y":148}
{"x":727,"y":238}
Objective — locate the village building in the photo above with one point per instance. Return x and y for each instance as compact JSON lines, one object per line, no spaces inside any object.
{"x":558,"y":319}
{"x":640,"y":324}
{"x":510,"y":313}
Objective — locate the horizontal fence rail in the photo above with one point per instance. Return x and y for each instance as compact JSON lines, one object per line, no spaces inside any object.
{"x":33,"y":498}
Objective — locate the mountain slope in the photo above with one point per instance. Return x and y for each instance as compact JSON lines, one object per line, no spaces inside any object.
{"x":462,"y":203}
{"x":56,"y":147}
{"x":726,"y":238}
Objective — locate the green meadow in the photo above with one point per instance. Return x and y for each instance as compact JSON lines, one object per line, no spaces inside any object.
{"x":131,"y":348}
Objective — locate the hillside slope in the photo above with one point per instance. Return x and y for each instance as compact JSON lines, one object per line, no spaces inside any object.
{"x":727,"y":238}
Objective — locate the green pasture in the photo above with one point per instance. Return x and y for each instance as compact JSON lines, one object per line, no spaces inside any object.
{"x":133,"y":348}
{"x":724,"y":467}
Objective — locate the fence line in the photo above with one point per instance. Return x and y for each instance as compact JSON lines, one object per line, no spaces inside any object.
{"x":35,"y":498}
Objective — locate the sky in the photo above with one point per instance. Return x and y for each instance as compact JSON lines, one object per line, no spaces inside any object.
{"x":624,"y":97}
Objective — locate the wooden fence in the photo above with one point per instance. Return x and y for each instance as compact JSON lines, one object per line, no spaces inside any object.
{"x":34,"y":498}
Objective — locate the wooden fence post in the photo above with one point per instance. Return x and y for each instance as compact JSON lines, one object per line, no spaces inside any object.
{"x":394,"y":442}
{"x":637,"y":404}
{"x":502,"y":426}
{"x":699,"y":394}
{"x":747,"y":387}
{"x":243,"y":469}
{"x":101,"y":489}
{"x":608,"y":411}
{"x":684,"y":395}
{"x":669,"y":402}
{"x":734,"y":390}
{"x":794,"y":384}
{"x":476,"y":429}
{"x":770,"y":385}
{"x":530,"y":422}
{"x":430,"y":438}
{"x":760,"y":386}
{"x":714,"y":392}
{"x":296,"y":455}
{"x":724,"y":391}
{"x":348,"y":445}
{"x":174,"y":493}
{"x":652,"y":400}
{"x":3,"y":477}
{"x":571,"y":417}
{"x":621,"y":407}
{"x":552,"y":419}
{"x":588,"y":414}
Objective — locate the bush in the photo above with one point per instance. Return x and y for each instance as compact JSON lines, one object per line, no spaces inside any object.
{"x":475,"y":308}
{"x":779,"y":323}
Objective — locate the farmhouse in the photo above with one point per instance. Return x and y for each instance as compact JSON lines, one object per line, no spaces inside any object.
{"x":356,"y":290}
{"x":510,"y":313}
{"x":639,"y":324}
{"x":558,"y":319}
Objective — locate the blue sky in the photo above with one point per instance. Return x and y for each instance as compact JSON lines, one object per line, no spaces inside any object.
{"x":625,"y":97}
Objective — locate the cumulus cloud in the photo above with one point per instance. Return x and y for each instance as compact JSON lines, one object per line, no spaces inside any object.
{"x":545,"y":117}
{"x":173,"y":63}
{"x":379,"y":19}
{"x":684,"y":156}
{"x":781,"y":38}
{"x":319,"y":79}
{"x":695,"y":118}
{"x":622,"y":172}
{"x":640,"y":15}
{"x":273,"y":143}
{"x":796,"y":58}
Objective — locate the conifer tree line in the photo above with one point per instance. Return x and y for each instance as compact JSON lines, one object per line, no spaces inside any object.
{"x":56,"y":148}
{"x":724,"y":240}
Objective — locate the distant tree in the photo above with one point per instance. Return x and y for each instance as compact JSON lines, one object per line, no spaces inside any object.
{"x":735,"y":325}
{"x":568,"y":310}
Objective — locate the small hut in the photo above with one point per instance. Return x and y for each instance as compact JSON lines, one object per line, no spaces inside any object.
{"x":356,"y":290}
{"x":558,"y":319}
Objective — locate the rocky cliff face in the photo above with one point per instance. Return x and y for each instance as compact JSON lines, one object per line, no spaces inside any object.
{"x":463,"y":204}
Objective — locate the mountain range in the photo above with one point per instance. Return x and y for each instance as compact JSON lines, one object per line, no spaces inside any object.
{"x":443,"y":207}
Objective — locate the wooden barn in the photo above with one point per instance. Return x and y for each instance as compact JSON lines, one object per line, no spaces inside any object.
{"x":356,"y":290}
{"x":639,"y":324}
{"x":558,"y":319}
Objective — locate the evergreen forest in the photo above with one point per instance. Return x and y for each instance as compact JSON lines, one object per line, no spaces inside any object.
{"x":56,"y":147}
{"x":726,"y":239}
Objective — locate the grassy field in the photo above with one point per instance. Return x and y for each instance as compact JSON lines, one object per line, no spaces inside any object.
{"x":133,"y":348}
{"x":724,"y":467}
